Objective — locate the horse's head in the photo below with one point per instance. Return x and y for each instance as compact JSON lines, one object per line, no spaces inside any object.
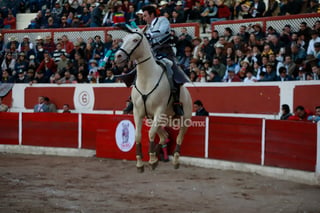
{"x":129,"y":49}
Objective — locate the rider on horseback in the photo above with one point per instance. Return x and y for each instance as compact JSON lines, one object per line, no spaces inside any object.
{"x":158,"y":34}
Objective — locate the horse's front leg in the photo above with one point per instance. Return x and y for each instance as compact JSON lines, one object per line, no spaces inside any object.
{"x":140,"y":165}
{"x":153,"y":159}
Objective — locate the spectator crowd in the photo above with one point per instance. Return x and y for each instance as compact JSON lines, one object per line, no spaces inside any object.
{"x":247,"y":55}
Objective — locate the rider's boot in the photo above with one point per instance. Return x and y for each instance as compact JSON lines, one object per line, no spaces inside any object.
{"x":177,"y":105}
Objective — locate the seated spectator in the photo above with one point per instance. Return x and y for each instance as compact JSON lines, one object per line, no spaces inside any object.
{"x":316,"y":117}
{"x":270,"y":74}
{"x":250,"y":78}
{"x":301,"y":114}
{"x":314,"y":39}
{"x":176,"y":18}
{"x":62,"y":63}
{"x":139,"y":18}
{"x":51,"y":106}
{"x":200,"y":110}
{"x":6,"y":77}
{"x":68,"y":78}
{"x":8,"y":62}
{"x":21,"y":77}
{"x":110,"y":78}
{"x":213,"y":76}
{"x":48,"y":66}
{"x":283,"y":76}
{"x":41,"y":106}
{"x":66,"y":108}
{"x":3,"y":107}
{"x":67,"y":45}
{"x":285,"y":109}
{"x":232,"y":77}
{"x":10,"y":22}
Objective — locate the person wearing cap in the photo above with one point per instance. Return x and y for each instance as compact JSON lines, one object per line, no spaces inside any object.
{"x":165,"y":8}
{"x":314,"y":39}
{"x":180,"y":10}
{"x":139,"y":18}
{"x":21,"y":77}
{"x":21,"y":62}
{"x":26,"y":40}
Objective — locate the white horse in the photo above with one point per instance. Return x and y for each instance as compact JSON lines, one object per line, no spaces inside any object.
{"x":151,"y":96}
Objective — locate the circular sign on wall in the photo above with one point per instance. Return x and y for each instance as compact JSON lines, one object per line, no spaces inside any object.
{"x":83,"y":98}
{"x":125,"y":135}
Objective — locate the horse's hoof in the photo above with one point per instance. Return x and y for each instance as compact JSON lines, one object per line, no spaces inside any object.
{"x":154,"y":165}
{"x":140,"y":169}
{"x":176,"y":166}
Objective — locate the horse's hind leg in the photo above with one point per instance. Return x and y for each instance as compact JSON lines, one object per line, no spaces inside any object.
{"x":140,"y":165}
{"x":176,"y":155}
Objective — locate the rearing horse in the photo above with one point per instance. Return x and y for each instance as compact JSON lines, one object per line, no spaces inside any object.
{"x":151,"y":96}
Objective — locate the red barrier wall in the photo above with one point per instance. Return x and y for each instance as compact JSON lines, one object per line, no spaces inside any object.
{"x":106,"y":140}
{"x":50,"y":129}
{"x":291,"y":144}
{"x":9,"y":128}
{"x":111,"y":98}
{"x":58,"y":95}
{"x":235,"y":139}
{"x":265,"y":99}
{"x":193,"y":144}
{"x":307,"y":96}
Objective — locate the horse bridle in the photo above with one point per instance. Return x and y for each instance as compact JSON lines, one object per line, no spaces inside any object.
{"x":129,"y":54}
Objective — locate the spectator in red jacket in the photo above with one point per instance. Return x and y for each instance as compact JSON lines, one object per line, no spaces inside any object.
{"x":47,"y":66}
{"x":10,"y":22}
{"x":66,"y":44}
{"x":301,"y":114}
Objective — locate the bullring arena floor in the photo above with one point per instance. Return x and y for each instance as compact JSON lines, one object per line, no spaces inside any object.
{"x":34,"y":183}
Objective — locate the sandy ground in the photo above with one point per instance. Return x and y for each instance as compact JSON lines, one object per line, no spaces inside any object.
{"x":31,"y":183}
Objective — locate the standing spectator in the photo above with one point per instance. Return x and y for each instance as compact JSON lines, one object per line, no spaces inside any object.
{"x":96,"y":15}
{"x":66,"y":108}
{"x":41,"y":106}
{"x":3,"y":107}
{"x":301,"y":114}
{"x":315,"y":118}
{"x":51,"y":106}
{"x":200,"y":110}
